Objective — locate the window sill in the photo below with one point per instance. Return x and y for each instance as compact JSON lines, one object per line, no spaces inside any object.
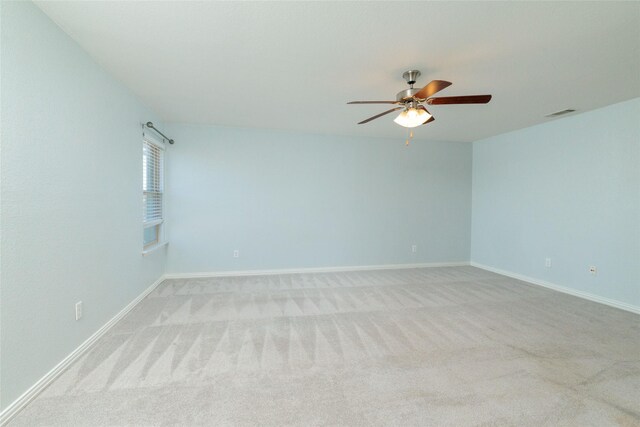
{"x":153,"y":248}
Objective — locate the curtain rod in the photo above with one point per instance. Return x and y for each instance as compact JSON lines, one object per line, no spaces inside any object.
{"x":150,"y":126}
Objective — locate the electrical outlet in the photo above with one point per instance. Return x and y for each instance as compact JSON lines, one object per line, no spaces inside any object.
{"x":547,"y":262}
{"x":236,"y":253}
{"x":593,"y":270}
{"x":78,"y":310}
{"x":414,"y":248}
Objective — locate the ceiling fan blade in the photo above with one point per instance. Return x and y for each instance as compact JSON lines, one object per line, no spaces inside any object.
{"x":380,"y":115}
{"x":432,"y":88}
{"x":470,"y":99}
{"x":373,"y":102}
{"x":428,"y":121}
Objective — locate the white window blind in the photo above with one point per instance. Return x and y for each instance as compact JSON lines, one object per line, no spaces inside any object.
{"x":152,"y":183}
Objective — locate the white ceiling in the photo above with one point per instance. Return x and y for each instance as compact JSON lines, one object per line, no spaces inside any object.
{"x":294,"y":65}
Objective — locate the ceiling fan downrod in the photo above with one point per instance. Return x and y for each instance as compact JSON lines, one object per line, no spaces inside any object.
{"x":410,"y":76}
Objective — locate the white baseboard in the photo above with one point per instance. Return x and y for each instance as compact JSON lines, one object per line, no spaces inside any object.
{"x":312,"y":270}
{"x":585,"y":295}
{"x":15,"y":407}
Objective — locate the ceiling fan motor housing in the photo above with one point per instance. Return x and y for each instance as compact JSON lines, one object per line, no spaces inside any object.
{"x":405,"y":95}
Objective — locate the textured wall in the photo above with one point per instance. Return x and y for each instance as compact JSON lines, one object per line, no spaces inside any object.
{"x":71,"y":187}
{"x":292,"y":200}
{"x":568,"y":190}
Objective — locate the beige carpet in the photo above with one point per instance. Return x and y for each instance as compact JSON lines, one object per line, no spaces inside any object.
{"x":439,"y":346}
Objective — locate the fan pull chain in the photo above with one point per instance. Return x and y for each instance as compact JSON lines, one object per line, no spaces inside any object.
{"x":410,"y":136}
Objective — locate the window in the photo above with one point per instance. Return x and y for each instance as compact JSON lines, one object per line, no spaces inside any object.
{"x":152,"y":192}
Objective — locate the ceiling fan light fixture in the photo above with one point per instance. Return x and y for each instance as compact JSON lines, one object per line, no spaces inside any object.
{"x":412,"y":117}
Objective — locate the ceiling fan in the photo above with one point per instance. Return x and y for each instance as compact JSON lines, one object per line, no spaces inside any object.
{"x":412,"y":101}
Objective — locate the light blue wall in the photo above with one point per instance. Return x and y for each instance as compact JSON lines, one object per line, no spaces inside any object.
{"x":291,"y":200}
{"x":71,"y":198}
{"x":568,"y":190}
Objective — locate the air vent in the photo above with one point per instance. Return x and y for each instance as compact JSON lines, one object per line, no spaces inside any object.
{"x":560,"y":113}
